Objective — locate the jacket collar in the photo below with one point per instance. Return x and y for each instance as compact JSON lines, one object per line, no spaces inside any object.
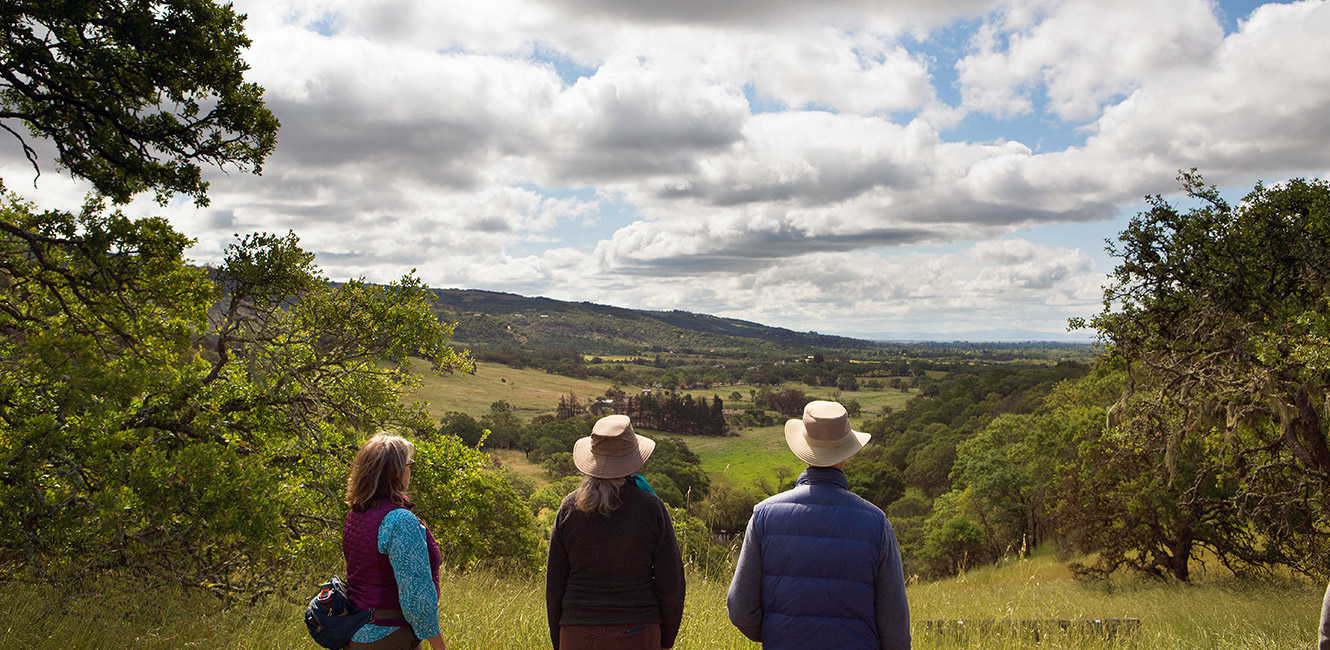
{"x":823,"y":476}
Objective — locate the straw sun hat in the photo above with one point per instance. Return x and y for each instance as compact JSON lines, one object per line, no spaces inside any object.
{"x":824,"y":437}
{"x":613,"y":449}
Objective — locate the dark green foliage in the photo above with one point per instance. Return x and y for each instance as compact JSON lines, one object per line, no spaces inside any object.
{"x":559,"y":464}
{"x":1222,"y":315}
{"x":699,"y":552}
{"x":556,"y":436}
{"x":920,"y":439}
{"x":789,"y":402}
{"x":954,"y":546}
{"x":150,"y":427}
{"x":1060,"y":472}
{"x":674,"y":414}
{"x":664,"y":487}
{"x":726,"y":510}
{"x":506,"y":430}
{"x":549,"y":497}
{"x":134,"y":96}
{"x":463,"y":426}
{"x":873,"y":479}
{"x":155,"y":417}
{"x":477,"y":514}
{"x":673,"y":460}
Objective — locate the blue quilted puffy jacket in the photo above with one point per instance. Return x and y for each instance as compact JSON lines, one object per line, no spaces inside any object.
{"x":821,"y":548}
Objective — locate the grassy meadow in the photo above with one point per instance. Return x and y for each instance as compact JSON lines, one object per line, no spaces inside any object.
{"x":483,"y":610}
{"x":739,"y":459}
{"x":530,"y":391}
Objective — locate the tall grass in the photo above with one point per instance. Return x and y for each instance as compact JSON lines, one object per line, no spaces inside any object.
{"x":485,"y":610}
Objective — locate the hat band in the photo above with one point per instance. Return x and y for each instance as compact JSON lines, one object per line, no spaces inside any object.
{"x":824,"y":444}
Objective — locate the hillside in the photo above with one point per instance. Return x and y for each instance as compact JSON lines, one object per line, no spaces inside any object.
{"x":492,"y":319}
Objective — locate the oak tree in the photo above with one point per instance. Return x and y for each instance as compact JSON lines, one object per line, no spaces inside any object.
{"x":134,"y":96}
{"x":1221,"y":312}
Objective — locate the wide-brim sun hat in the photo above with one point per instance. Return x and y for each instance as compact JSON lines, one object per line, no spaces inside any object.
{"x":613,"y":450}
{"x":823,"y":437}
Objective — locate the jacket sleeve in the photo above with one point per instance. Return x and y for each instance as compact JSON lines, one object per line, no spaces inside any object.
{"x":402,"y":538}
{"x":669,"y":579}
{"x":892,"y":610}
{"x":744,"y":600}
{"x":1323,"y":642}
{"x":556,"y":579}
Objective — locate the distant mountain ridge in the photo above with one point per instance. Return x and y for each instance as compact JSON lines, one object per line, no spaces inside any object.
{"x":489,"y":318}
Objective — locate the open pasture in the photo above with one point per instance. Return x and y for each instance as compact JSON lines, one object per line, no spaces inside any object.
{"x":738,"y":460}
{"x":529,"y":390}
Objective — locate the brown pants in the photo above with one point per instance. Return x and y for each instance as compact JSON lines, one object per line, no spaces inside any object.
{"x":402,"y":639}
{"x":641,"y":636}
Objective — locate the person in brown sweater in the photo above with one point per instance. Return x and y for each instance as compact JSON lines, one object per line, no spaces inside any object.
{"x":614,"y":577}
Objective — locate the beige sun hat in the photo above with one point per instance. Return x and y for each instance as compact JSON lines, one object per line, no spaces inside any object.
{"x":824,"y":437}
{"x":613,"y":449}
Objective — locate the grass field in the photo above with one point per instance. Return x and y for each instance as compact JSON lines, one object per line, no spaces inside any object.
{"x":530,"y":391}
{"x":481,"y":610}
{"x":737,"y":460}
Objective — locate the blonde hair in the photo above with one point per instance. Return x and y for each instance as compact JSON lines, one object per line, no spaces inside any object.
{"x":598,"y":495}
{"x":379,"y":472}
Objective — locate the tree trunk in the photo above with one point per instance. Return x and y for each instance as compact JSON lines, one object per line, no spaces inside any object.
{"x":1180,"y":558}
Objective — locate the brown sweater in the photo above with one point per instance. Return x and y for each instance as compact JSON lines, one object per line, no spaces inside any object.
{"x":616,"y":570}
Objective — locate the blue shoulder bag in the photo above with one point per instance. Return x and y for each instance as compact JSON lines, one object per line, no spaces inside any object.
{"x":331,"y":617}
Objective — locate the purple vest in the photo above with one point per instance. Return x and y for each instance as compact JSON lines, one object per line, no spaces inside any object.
{"x":369,"y":574}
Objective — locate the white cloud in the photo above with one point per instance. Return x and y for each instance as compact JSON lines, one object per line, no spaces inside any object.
{"x":1079,"y":55}
{"x":1257,"y":111}
{"x":1002,"y":284}
{"x":826,"y":68}
{"x":597,"y":150}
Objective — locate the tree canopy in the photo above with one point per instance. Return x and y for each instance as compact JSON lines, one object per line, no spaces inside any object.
{"x":195,"y":423}
{"x":180,"y":419}
{"x":134,"y":96}
{"x":1222,"y":315}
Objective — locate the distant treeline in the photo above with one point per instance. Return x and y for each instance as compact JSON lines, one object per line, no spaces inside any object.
{"x":673,"y":371}
{"x":674,"y":414}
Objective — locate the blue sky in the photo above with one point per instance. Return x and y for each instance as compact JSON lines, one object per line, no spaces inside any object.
{"x":847,"y":166}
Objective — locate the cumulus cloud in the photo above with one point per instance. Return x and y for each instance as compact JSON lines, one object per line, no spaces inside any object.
{"x":762,"y":12}
{"x":1008,"y":283}
{"x":1077,"y":56}
{"x":1256,"y":110}
{"x":791,"y":162}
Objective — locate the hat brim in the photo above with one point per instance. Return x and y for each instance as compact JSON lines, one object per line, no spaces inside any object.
{"x":601,"y":466}
{"x":797,"y":439}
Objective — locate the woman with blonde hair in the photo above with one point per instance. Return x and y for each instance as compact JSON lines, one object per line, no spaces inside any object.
{"x":614,"y":578}
{"x":392,"y":560}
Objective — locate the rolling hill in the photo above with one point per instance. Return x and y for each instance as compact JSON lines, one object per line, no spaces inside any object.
{"x":493,"y":319}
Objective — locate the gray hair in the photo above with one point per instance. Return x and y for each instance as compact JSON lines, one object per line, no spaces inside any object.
{"x":598,"y":495}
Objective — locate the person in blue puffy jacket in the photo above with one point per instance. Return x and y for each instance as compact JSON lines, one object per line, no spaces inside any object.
{"x":819,"y":567}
